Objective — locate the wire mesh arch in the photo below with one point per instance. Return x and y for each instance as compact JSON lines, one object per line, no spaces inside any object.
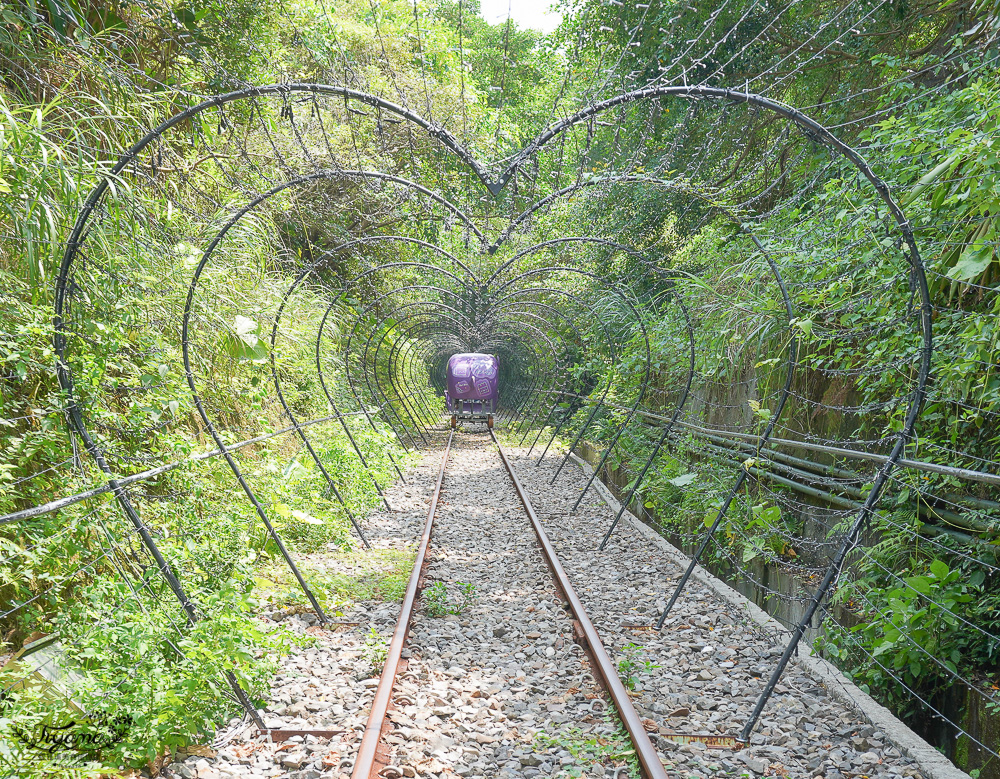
{"x":770,"y":383}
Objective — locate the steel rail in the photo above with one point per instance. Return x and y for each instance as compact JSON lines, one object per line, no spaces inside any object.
{"x":366,"y":764}
{"x":601,"y":663}
{"x":371,"y":760}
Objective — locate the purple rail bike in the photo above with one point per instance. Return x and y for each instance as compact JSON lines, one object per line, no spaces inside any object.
{"x":473,"y":387}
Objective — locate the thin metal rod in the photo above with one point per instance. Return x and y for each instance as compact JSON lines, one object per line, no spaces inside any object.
{"x":165,"y":569}
{"x":705,"y":539}
{"x":541,"y":429}
{"x":196,"y":396}
{"x":667,"y":430}
{"x":790,"y":366}
{"x":298,"y":428}
{"x":333,"y":407}
{"x":850,"y":540}
{"x":124,"y":481}
{"x":528,"y":394}
{"x":330,"y":400}
{"x":635,"y":487}
{"x":834,"y":451}
{"x":390,"y":374}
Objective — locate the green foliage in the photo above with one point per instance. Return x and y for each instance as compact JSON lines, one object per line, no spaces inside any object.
{"x":75,"y":568}
{"x":64,"y":112}
{"x":438,"y":603}
{"x":592,"y":752}
{"x":436,"y":599}
{"x":376,"y":649}
{"x":921,"y":629}
{"x":39,"y":183}
{"x":936,"y":150}
{"x":633,"y":663}
{"x":346,"y":577}
{"x":162,"y":690}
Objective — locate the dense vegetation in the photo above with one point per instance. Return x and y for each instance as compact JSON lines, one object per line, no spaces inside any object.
{"x":915,"y":86}
{"x":63,"y":119}
{"x":913,"y":616}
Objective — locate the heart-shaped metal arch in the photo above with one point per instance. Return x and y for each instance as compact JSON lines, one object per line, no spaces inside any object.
{"x":494,"y":277}
{"x":812,"y":129}
{"x":352,"y":174}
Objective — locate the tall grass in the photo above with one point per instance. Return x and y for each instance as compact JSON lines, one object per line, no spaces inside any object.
{"x":48,"y":161}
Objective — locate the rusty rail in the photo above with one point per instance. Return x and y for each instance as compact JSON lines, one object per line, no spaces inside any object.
{"x":601,"y":663}
{"x":369,"y":761}
{"x":372,"y":758}
{"x":710,"y":740}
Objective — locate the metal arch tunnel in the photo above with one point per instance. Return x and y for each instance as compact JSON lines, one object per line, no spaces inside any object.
{"x":557,"y":322}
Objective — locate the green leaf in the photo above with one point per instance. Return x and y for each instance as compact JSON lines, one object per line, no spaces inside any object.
{"x":245,"y":326}
{"x":929,"y":178}
{"x":683,"y":480}
{"x":921,"y":584}
{"x":771,"y":515}
{"x":975,"y":259}
{"x":805,"y":325}
{"x":243,"y":341}
{"x":307,"y":518}
{"x":939,"y":568}
{"x":294,"y":471}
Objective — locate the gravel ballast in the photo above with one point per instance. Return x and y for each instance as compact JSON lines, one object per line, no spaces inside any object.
{"x":501,"y":690}
{"x":703,"y":672}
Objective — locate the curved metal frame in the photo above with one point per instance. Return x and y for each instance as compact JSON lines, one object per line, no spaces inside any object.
{"x":815,"y":132}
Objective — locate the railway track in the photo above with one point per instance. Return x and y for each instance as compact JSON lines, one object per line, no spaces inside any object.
{"x":557,"y":604}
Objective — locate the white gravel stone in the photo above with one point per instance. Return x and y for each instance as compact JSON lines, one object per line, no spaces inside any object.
{"x":703,"y":672}
{"x":480,"y":685}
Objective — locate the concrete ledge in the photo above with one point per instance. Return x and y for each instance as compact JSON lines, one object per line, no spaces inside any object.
{"x":932,"y":763}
